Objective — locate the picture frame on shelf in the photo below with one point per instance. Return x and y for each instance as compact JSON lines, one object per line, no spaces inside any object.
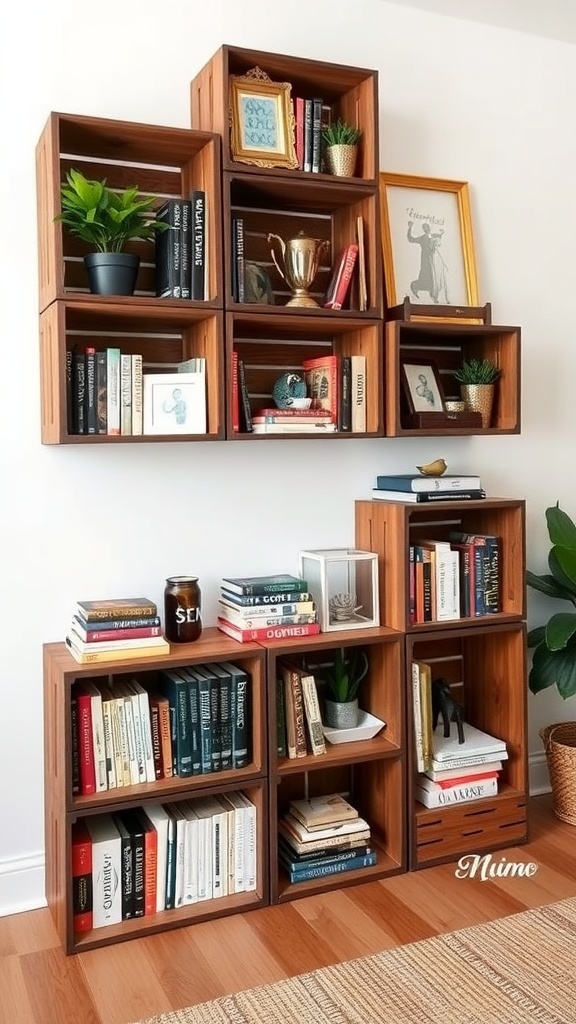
{"x":422,"y":386}
{"x":174,"y":403}
{"x":427,"y":242}
{"x":261,"y":121}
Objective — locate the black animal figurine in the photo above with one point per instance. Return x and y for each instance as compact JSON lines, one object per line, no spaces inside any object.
{"x":443,"y":703}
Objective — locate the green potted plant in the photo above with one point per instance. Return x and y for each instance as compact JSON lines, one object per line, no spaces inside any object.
{"x":342,"y":679}
{"x":107,"y":219}
{"x":554,"y":658}
{"x":477,"y":379}
{"x":341,"y":140}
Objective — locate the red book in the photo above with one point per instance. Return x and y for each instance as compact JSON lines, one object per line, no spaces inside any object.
{"x":463,"y":780}
{"x":299,"y":118}
{"x":267,"y":632}
{"x":81,"y":877}
{"x":235,"y":394}
{"x":150,"y":861}
{"x":340,"y":284}
{"x":95,"y":636}
{"x":322,"y":381}
{"x":85,"y":745}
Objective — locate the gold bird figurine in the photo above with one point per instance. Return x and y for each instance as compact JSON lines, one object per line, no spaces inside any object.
{"x":436,"y":468}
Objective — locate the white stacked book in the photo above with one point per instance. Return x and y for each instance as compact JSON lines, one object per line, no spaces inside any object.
{"x":461,"y":772}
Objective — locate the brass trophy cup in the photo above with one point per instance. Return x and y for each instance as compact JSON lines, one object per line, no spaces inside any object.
{"x":300,"y":257}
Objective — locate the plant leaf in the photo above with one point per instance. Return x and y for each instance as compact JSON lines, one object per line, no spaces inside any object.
{"x":566,"y":558}
{"x":536,"y":636}
{"x":551,"y":668}
{"x":565,"y":581}
{"x":560,"y":630}
{"x":561,"y":528}
{"x":548,"y":585}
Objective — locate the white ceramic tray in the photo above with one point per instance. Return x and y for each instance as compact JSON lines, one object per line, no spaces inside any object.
{"x":368,"y":727}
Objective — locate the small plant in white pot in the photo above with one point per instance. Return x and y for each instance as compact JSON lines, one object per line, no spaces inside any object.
{"x":107,"y":219}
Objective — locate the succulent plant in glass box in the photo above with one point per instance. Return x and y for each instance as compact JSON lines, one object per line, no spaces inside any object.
{"x":477,"y":379}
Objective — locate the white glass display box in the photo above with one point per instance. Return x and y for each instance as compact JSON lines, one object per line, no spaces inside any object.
{"x":344,"y":584}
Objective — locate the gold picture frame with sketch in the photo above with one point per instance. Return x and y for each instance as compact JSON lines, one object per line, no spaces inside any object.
{"x":261,"y":121}
{"x":427,"y":243}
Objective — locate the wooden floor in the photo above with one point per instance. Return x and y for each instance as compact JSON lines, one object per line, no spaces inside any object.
{"x":133,"y":980}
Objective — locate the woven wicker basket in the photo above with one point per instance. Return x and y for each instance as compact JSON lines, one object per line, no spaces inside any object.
{"x":560,"y":745}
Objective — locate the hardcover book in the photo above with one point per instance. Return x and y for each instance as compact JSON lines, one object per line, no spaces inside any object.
{"x":106,"y":870}
{"x":476,"y":742}
{"x":240,"y":713}
{"x":168,"y":250}
{"x":318,"y":811}
{"x":94,"y":657}
{"x":198,"y":199}
{"x":121,"y":607}
{"x":81,"y":877}
{"x":457,"y":794}
{"x":267,"y":632}
{"x":305,"y":874}
{"x":261,"y":600}
{"x":430,"y":496}
{"x":415,"y":482}
{"x":113,"y":391}
{"x":321,"y":376}
{"x":252,"y":586}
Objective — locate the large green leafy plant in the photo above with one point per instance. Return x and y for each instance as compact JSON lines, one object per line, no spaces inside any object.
{"x":103,"y":217}
{"x":554,"y":659}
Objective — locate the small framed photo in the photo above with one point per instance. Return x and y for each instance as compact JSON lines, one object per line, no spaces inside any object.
{"x":427,"y":242}
{"x":174,"y":403}
{"x":261,"y":121}
{"x":422,"y":386}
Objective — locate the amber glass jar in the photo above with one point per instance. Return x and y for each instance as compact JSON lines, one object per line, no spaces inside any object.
{"x":182,"y":622}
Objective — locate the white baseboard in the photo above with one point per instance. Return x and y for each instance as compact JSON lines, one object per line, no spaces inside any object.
{"x":22,"y":884}
{"x":538,"y":777}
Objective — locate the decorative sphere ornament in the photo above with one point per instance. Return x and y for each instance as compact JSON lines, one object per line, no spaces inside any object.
{"x":287,"y":388}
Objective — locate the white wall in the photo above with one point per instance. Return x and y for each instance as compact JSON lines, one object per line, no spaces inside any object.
{"x":458,"y":100}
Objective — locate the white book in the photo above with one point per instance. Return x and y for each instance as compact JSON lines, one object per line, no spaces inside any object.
{"x":250,"y":844}
{"x":181,"y":824}
{"x":113,"y":390}
{"x":123,"y":740}
{"x":445,"y":579}
{"x":358,"y":393}
{"x":417,"y":714}
{"x":138,"y":740}
{"x":125,"y":393}
{"x":107,"y":701}
{"x":240,"y":815}
{"x":219,"y":846}
{"x":191,"y":841}
{"x":251,"y":613}
{"x":98,"y":736}
{"x":106,"y":870}
{"x":137,"y":402}
{"x":476,"y":742}
{"x":159,"y":817}
{"x":312,"y":714}
{"x":204,"y":851}
{"x":469,"y":762}
{"x":230,"y":855}
{"x":457,"y":794}
{"x":131,"y":737}
{"x":456,"y":773}
{"x":145,"y":718}
{"x":116,"y":741}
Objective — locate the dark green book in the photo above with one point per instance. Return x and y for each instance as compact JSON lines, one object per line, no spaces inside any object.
{"x":215,"y":727}
{"x":176,"y":690}
{"x":240,"y":707}
{"x":225,"y":709}
{"x":205,"y":716}
{"x":194,"y":707}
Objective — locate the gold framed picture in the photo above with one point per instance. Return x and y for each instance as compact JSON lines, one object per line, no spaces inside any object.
{"x":427,"y":242}
{"x":261,"y":121}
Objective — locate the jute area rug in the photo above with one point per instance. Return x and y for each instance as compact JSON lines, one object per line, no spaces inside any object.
{"x":517,"y":970}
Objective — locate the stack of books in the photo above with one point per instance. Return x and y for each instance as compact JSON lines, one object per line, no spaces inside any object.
{"x":266,"y":608}
{"x":414,"y":487}
{"x":298,"y":717}
{"x":118,"y":629}
{"x":461,"y":772}
{"x":292,"y":421}
{"x":323,"y":836}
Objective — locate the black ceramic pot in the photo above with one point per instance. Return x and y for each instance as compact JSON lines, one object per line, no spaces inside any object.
{"x":112,"y":273}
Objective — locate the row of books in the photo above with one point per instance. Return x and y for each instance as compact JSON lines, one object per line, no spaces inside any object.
{"x":450,"y":771}
{"x":312,"y":117}
{"x":181,"y":252}
{"x":456,"y":578}
{"x":256,"y":608}
{"x":143,"y":861}
{"x":195,"y":721}
{"x":108,"y":393}
{"x":336,"y":385}
{"x":298,"y":715}
{"x":323,"y":836}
